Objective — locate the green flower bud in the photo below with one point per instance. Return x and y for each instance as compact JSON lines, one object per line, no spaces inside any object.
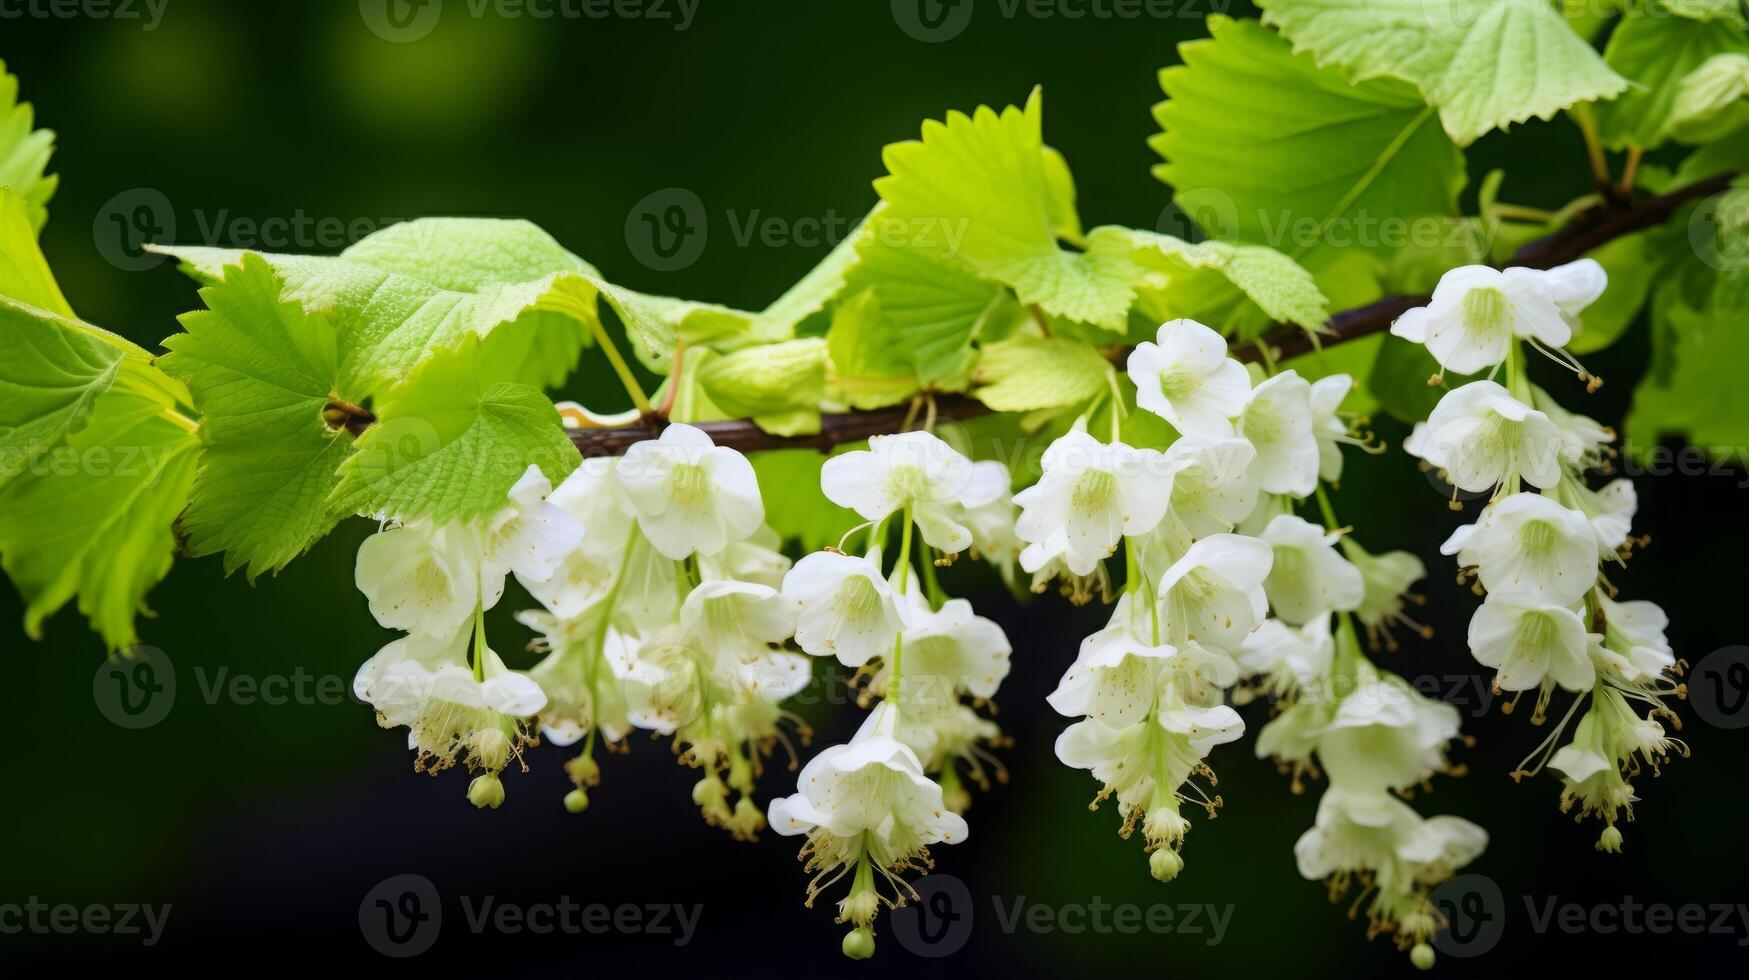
{"x":1165,"y":863}
{"x":1422,"y":956}
{"x":486,"y":791}
{"x":576,"y":801}
{"x":859,"y":943}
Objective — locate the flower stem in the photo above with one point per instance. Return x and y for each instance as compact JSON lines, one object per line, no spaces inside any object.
{"x":903,"y":572}
{"x":931,"y":587}
{"x":592,"y":319}
{"x":479,"y":642}
{"x":1324,"y":507}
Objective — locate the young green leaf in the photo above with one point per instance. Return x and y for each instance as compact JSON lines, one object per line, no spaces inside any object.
{"x":768,"y":380}
{"x":869,"y":369}
{"x":263,"y":372}
{"x":929,"y":311}
{"x":24,"y":273}
{"x":1486,"y":64}
{"x":451,"y":441}
{"x":1029,"y":373}
{"x":977,"y":190}
{"x":24,"y":153}
{"x":1263,"y":146}
{"x":1282,"y":289}
{"x":93,"y":517}
{"x":1658,"y":51}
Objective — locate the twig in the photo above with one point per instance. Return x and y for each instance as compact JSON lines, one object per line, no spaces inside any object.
{"x":1587,"y":231}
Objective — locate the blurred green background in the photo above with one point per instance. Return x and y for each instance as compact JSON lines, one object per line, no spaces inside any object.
{"x":265,"y":824}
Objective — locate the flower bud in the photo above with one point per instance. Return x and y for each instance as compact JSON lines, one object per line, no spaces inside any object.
{"x":859,"y":943}
{"x":1422,"y":956}
{"x":1610,"y":840}
{"x":486,"y":791}
{"x":576,"y":801}
{"x":1165,"y":863}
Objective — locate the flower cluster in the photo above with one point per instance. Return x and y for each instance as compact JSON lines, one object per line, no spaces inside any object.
{"x":1224,"y":580}
{"x":871,"y":808}
{"x":1550,"y":620}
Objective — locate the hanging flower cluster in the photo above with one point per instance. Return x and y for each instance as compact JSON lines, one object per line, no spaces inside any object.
{"x":661,"y":610}
{"x":871,"y":808}
{"x":1550,"y":619}
{"x":1225,"y":580}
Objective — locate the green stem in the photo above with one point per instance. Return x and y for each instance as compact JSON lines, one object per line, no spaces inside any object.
{"x":1329,"y":512}
{"x":479,"y":642}
{"x":931,"y":587}
{"x":902,"y":571}
{"x":627,"y":379}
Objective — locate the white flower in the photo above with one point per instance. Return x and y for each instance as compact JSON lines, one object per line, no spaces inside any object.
{"x":1529,"y":547}
{"x":992,"y":521}
{"x":1214,"y":594}
{"x":1386,"y":735}
{"x":734,"y":617}
{"x":582,"y":691}
{"x":1585,"y":442}
{"x":424,"y":580}
{"x":757,"y":559}
{"x":1371,"y":831}
{"x":532,"y":536}
{"x":1482,"y":437}
{"x":690,"y":495}
{"x":1292,"y":659}
{"x":1308,"y":577}
{"x":1477,"y":312}
{"x":845,"y":607}
{"x":947,"y":651}
{"x":1529,"y":642}
{"x":1634,"y":647}
{"x":1213,"y":486}
{"x":1161,"y":752}
{"x":1115,"y":676}
{"x":1575,"y":286}
{"x":916,"y":470}
{"x":427,"y":685}
{"x":1277,"y":419}
{"x":1094,"y":493}
{"x":1610,"y":510}
{"x":1330,"y":428}
{"x":869,"y":797}
{"x":1187,"y":379}
{"x":1387,"y":578}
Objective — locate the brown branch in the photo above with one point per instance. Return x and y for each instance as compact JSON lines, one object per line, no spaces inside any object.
{"x":1586,"y":232}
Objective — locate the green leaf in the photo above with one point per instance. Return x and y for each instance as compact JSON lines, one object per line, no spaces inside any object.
{"x":24,"y":153}
{"x":1485,"y":63}
{"x":1280,"y":287}
{"x":769,"y":380}
{"x":823,"y":283}
{"x":262,"y":370}
{"x":795,"y":507}
{"x":1730,"y":11}
{"x":1710,"y":101}
{"x":1631,"y":266}
{"x":1029,"y":373}
{"x":1263,"y":146}
{"x":451,"y":441}
{"x":929,"y":311}
{"x":1657,"y":51}
{"x":52,"y":372}
{"x":978,"y":190}
{"x":24,"y":273}
{"x":94,"y":516}
{"x":868,"y":368}
{"x":1701,"y":398}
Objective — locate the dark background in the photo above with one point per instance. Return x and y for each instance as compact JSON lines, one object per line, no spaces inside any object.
{"x":266,"y":825}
